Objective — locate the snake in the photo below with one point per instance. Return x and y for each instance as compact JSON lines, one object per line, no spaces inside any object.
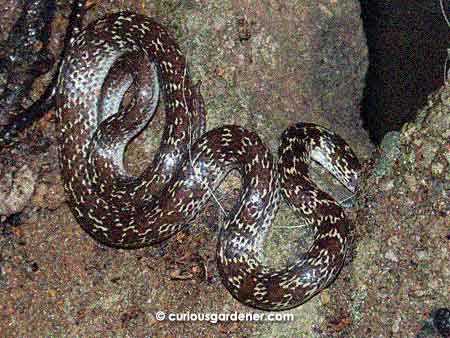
{"x":108,"y":89}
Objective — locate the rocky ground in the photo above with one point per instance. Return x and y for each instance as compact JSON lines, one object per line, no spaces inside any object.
{"x":264,"y":67}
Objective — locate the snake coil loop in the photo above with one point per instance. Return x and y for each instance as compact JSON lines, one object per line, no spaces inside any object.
{"x":122,"y":210}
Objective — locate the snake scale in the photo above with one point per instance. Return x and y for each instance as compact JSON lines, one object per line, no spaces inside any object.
{"x":126,"y":54}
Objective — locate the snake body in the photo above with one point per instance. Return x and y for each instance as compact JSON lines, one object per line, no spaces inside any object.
{"x":125,"y":211}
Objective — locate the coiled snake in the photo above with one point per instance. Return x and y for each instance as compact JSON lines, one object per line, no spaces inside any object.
{"x":122,"y":210}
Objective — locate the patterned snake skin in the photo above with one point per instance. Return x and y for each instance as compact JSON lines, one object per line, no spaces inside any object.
{"x":125,"y":211}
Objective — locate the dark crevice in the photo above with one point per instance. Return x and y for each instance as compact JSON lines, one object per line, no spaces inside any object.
{"x":408,"y":42}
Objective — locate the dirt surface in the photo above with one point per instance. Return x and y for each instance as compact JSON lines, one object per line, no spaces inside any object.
{"x":263,"y":66}
{"x":401,"y":271}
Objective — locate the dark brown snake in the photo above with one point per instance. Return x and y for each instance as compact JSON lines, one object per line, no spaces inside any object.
{"x":125,"y":211}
